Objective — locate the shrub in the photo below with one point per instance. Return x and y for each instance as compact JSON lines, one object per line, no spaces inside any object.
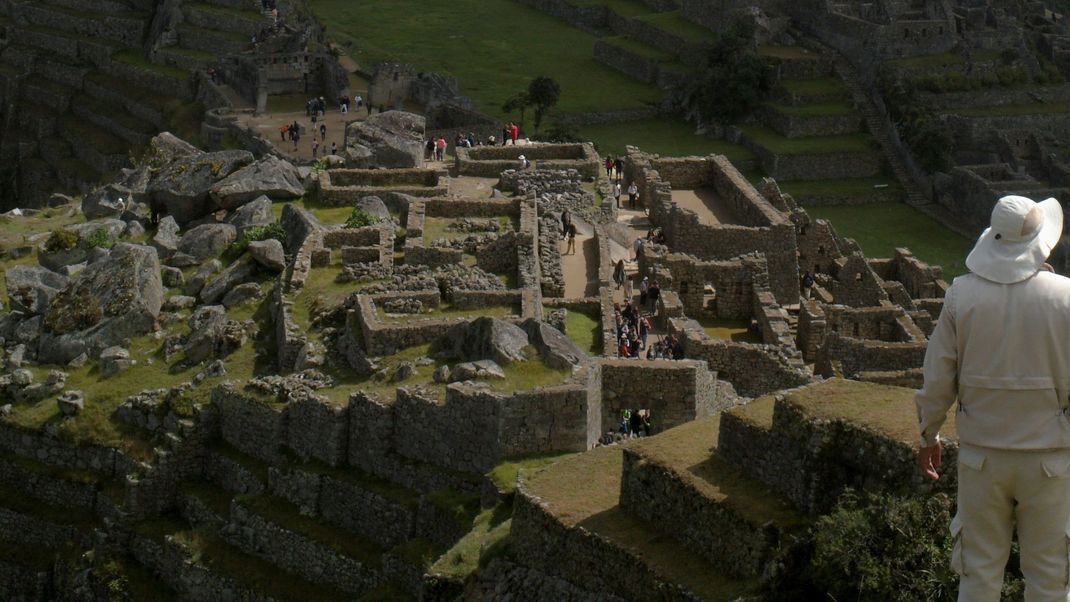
{"x":99,"y":238}
{"x":360,"y":219}
{"x":257,"y":233}
{"x":61,"y":240}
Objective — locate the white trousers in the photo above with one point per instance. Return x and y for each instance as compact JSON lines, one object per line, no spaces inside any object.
{"x":998,"y":488}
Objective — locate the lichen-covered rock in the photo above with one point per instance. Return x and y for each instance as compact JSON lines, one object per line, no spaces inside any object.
{"x":181,"y":187}
{"x":557,"y":350}
{"x":485,"y":338}
{"x":299,"y":225}
{"x":394,"y":139}
{"x":31,"y":288}
{"x":268,"y":253}
{"x":237,"y":273}
{"x":207,"y":240}
{"x":71,"y":402}
{"x":166,"y":238}
{"x":270,"y":176}
{"x":172,"y":277}
{"x":110,"y":301}
{"x":212,"y":335}
{"x":254,"y":213}
{"x":242,"y":293}
{"x":197,"y":281}
{"x":114,"y":360}
{"x":476,"y":370}
{"x":375,"y":207}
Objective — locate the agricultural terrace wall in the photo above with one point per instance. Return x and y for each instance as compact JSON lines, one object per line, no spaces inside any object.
{"x":491,"y":161}
{"x":795,"y":126}
{"x":827,"y":166}
{"x":854,"y":356}
{"x":812,"y":461}
{"x":381,"y":337}
{"x":454,"y":208}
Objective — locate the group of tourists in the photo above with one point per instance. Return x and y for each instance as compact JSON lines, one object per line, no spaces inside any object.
{"x":435,"y":149}
{"x":633,"y":329}
{"x":633,"y":424}
{"x":344,"y":102}
{"x":510,"y":133}
{"x":615,"y":168}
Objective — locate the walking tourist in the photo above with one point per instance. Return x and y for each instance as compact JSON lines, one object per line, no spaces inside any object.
{"x":323,"y":131}
{"x":571,"y":250}
{"x":628,"y":291}
{"x":633,"y":195}
{"x":618,"y":168}
{"x":440,"y":148}
{"x":652,"y":295}
{"x":566,"y":221}
{"x":429,"y":149}
{"x":505,"y":133}
{"x":616,"y":193}
{"x":618,"y":273}
{"x":807,"y":284}
{"x":637,"y":246}
{"x":1001,"y":349}
{"x":609,"y":167}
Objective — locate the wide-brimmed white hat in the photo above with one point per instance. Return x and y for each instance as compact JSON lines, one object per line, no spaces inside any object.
{"x":1018,"y":242}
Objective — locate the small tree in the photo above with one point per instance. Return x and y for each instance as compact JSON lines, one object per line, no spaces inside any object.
{"x":731,"y":81}
{"x":360,"y":219}
{"x":519,"y":102}
{"x":543,"y":93}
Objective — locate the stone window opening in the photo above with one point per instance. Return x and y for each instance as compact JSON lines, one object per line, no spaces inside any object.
{"x":858,"y":277}
{"x":821,"y":250}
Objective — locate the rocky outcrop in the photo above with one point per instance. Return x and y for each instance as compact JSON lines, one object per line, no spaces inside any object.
{"x":30,"y":289}
{"x":557,"y":350}
{"x":110,"y":301}
{"x":270,"y":176}
{"x":166,"y":238}
{"x":254,"y":213}
{"x":207,"y":240}
{"x":484,"y":338}
{"x":269,"y":254}
{"x":212,"y":334}
{"x":181,"y":188}
{"x":299,"y":225}
{"x":394,"y":139}
{"x":235,"y":274}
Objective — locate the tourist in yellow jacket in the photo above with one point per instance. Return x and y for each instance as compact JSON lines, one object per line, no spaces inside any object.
{"x":1001,"y":348}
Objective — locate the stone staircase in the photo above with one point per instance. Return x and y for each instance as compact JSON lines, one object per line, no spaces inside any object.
{"x":703,"y":510}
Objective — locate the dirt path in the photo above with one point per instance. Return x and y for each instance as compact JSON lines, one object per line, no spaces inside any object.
{"x":580,"y":267}
{"x":707,"y":204}
{"x":268,"y":125}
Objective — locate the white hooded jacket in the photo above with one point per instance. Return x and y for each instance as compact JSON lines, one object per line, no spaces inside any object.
{"x":1003,"y":351}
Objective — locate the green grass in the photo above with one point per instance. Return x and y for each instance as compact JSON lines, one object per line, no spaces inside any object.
{"x":668,"y":137}
{"x":880,"y":228}
{"x":493,"y":47}
{"x":829,"y":109}
{"x":928,"y":61}
{"x":624,"y":8}
{"x":812,"y":145}
{"x":639,"y":48}
{"x":331,"y":216}
{"x":674,"y":23}
{"x":841,"y":188}
{"x":824,"y":86}
{"x":134,"y":58}
{"x":584,"y":328}
{"x":1012,"y":110}
{"x":787,"y":52}
{"x":488,"y":534}
{"x":445,"y":310}
{"x":728,"y":330}
{"x":505,"y":474}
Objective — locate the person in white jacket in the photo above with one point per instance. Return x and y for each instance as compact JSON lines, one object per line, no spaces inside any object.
{"x":1001,"y":348}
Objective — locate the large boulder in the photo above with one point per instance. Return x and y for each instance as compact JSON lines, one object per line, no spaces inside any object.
{"x":166,"y":148}
{"x":394,"y":139}
{"x":207,"y":240}
{"x":212,"y":335}
{"x":270,"y":176}
{"x":31,"y":288}
{"x":557,"y":350}
{"x":254,"y":213}
{"x":269,"y":254}
{"x":166,"y":239}
{"x":484,"y":339}
{"x":113,"y":228}
{"x":180,"y":188}
{"x":375,"y":207}
{"x":237,"y":273}
{"x":106,"y":201}
{"x":298,"y":224}
{"x":110,"y":301}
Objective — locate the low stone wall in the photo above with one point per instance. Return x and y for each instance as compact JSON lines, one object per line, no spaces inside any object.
{"x":39,"y":447}
{"x":341,"y":187}
{"x":633,"y":64}
{"x":850,"y":356}
{"x":829,"y":166}
{"x":381,"y":338}
{"x":552,"y":280}
{"x":752,"y":369}
{"x":492,"y":161}
{"x":249,"y":424}
{"x":452,"y":208}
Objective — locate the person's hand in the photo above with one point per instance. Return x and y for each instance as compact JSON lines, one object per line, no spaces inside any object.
{"x":929,"y":461}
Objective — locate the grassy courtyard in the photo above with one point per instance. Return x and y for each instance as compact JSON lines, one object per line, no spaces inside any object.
{"x":668,"y":137}
{"x":882,"y":227}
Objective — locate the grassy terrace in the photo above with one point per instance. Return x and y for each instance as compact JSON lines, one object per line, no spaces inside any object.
{"x":825,"y":109}
{"x":881,"y":227}
{"x":490,"y":64}
{"x":229,"y":35}
{"x":825,"y":86}
{"x":813,"y":145}
{"x":887,"y":410}
{"x":1012,"y":110}
{"x":584,"y":490}
{"x":674,"y":23}
{"x":624,"y":8}
{"x":845,"y":187}
{"x":668,"y":137}
{"x":134,"y":58}
{"x":640,"y":48}
{"x":688,"y":451}
{"x":787,"y":52}
{"x":445,"y":311}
